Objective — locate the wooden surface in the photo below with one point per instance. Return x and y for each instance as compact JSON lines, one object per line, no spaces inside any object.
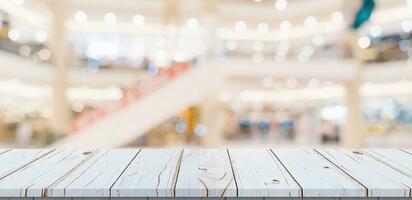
{"x":230,"y":173}
{"x":206,"y":173}
{"x":259,"y":174}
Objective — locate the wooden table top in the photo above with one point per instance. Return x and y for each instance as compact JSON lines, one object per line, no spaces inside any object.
{"x":205,"y":173}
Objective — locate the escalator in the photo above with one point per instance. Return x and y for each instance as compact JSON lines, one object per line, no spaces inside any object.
{"x":133,"y":118}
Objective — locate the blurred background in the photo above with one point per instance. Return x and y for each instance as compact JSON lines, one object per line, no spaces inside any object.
{"x":205,"y":73}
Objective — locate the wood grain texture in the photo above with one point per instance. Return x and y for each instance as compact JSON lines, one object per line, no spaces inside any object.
{"x":317,"y":176}
{"x":380,"y":179}
{"x":12,"y":160}
{"x":31,"y":180}
{"x":152,"y":173}
{"x":58,"y":189}
{"x":97,"y":179}
{"x":398,"y":159}
{"x":205,"y":173}
{"x":259,"y":174}
{"x":122,"y":174}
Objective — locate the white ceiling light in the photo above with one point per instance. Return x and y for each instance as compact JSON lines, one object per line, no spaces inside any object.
{"x":406,"y":26}
{"x":138,"y":20}
{"x":311,"y":21}
{"x":192,"y":23}
{"x":305,"y":54}
{"x":80,"y":17}
{"x":318,"y":40}
{"x":308,"y":51}
{"x":18,"y":2}
{"x":337,"y":17}
{"x":263,"y":27}
{"x":25,"y":50}
{"x":110,"y":18}
{"x":282,"y":49}
{"x":14,"y":34}
{"x":281,"y":5}
{"x":364,"y":42}
{"x":44,"y":54}
{"x":240,"y":26}
{"x":375,"y":31}
{"x":285,"y":26}
{"x":41,"y":36}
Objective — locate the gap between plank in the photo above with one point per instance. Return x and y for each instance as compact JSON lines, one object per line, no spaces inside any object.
{"x":384,"y":162}
{"x":71,"y":170}
{"x":350,"y":176}
{"x":287,"y":170}
{"x":233,"y":172}
{"x":110,"y":189}
{"x":406,"y":151}
{"x":5,"y":151}
{"x":27,"y":164}
{"x":179,"y":162}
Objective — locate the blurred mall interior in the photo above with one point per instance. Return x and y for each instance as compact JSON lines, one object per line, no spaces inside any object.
{"x":205,"y":73}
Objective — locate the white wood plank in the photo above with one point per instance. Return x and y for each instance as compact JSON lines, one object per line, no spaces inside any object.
{"x":16,"y":198}
{"x":317,"y":176}
{"x":97,"y":179}
{"x":107,"y":198}
{"x":400,"y":160}
{"x":152,"y":173}
{"x":259,"y":174}
{"x":286,"y":198}
{"x":58,"y":188}
{"x":52,"y":198}
{"x":205,"y":173}
{"x":187,"y":198}
{"x":86,"y":198}
{"x":380,"y":179}
{"x":319,"y":198}
{"x":31,"y":180}
{"x":13,"y":160}
{"x":79,"y":198}
{"x":201,"y":198}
